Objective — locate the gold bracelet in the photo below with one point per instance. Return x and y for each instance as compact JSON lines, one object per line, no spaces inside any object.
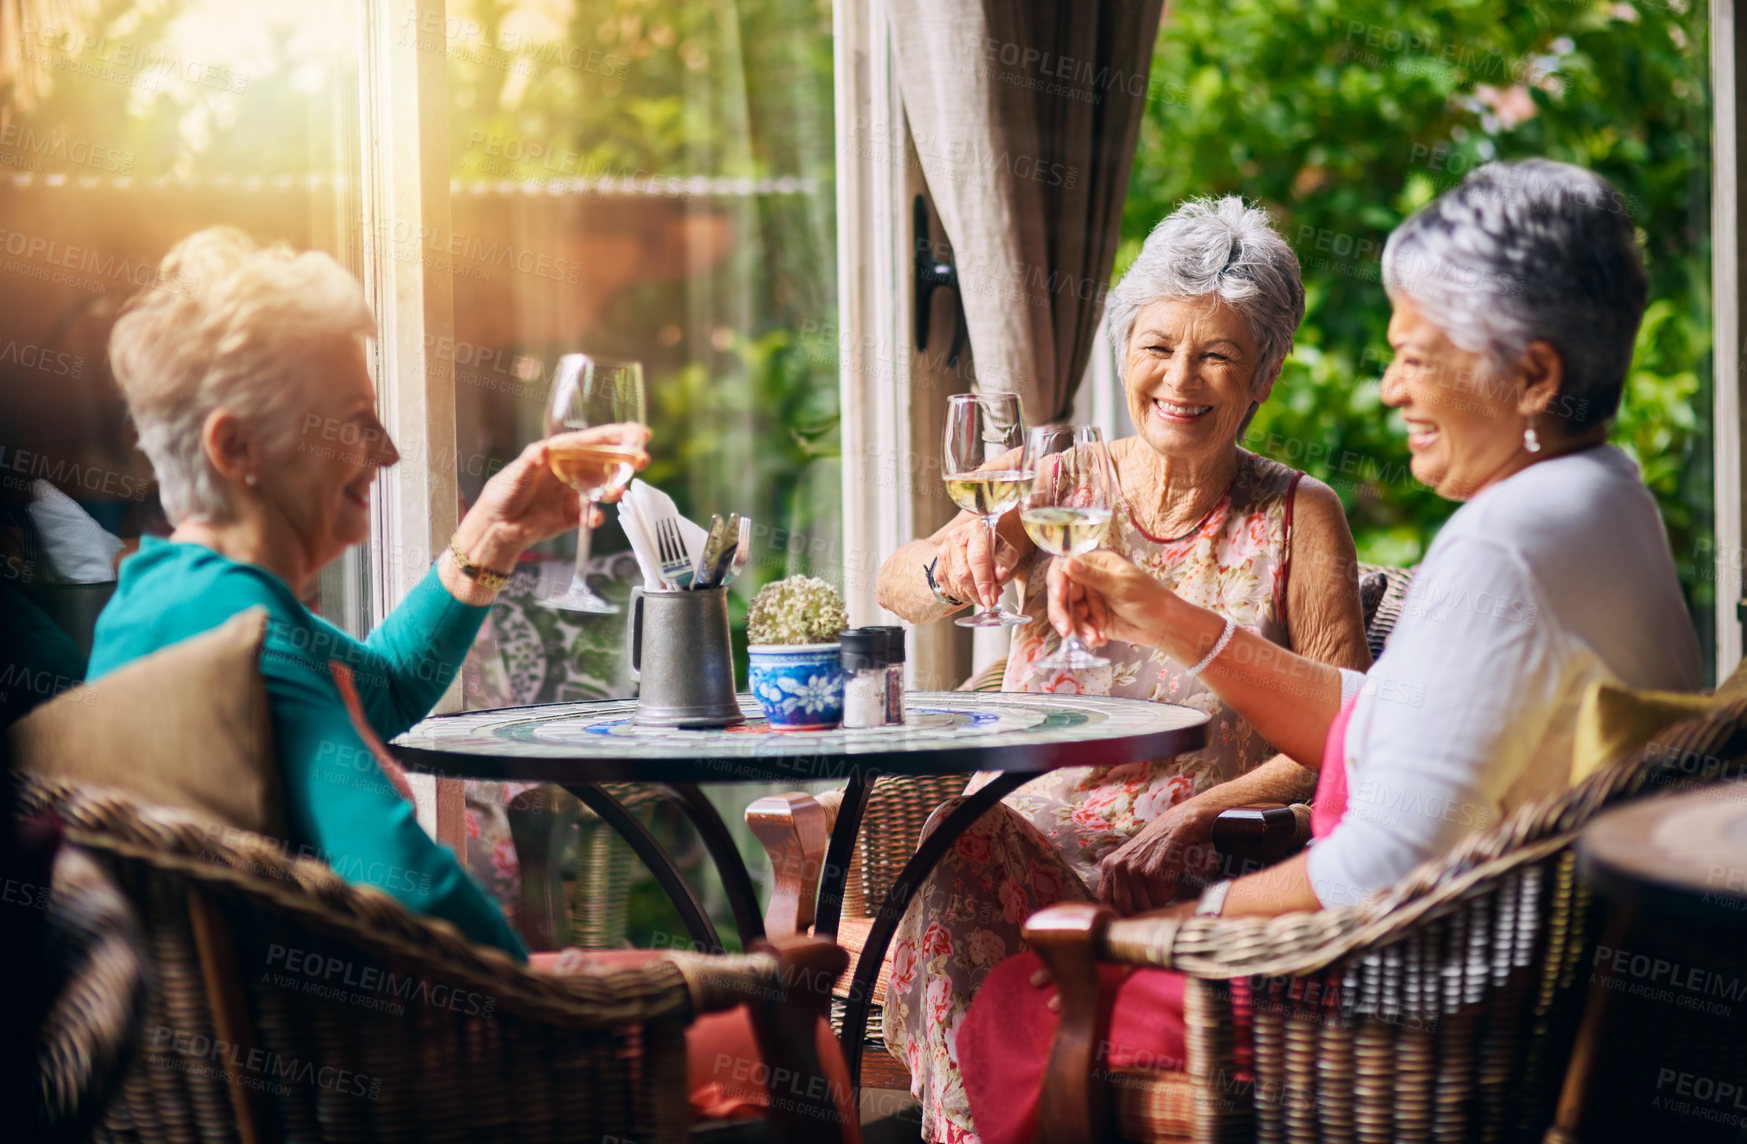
{"x":488,"y":578}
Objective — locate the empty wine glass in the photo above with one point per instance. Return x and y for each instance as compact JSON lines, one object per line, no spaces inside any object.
{"x":981,"y":428}
{"x":1068,"y":508}
{"x":588,"y":391}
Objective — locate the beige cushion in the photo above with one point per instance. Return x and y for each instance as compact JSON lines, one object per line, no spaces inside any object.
{"x":185,"y":726}
{"x":1615,"y":722}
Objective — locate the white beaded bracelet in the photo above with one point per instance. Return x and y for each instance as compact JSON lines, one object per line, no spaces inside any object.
{"x":1218,"y":646}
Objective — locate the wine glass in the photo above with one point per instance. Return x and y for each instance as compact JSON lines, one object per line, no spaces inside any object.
{"x":1068,"y":508}
{"x":980,"y":429}
{"x":588,"y":391}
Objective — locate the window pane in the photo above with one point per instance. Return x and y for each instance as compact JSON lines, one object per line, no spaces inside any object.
{"x":1362,"y":114}
{"x":123,"y":128}
{"x":649,"y":181}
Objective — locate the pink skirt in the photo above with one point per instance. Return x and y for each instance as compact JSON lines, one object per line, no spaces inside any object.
{"x":1005,"y":1039}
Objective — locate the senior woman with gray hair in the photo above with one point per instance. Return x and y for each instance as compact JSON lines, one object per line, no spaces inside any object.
{"x":1203,"y":321}
{"x":252,"y":400}
{"x":255,"y":407}
{"x":1516,"y":299}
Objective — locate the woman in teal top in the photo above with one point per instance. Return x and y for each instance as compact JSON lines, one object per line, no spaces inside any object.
{"x":252,"y":399}
{"x":337,"y":800}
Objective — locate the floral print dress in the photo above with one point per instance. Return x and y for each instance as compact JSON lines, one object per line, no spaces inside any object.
{"x":1042,"y":844}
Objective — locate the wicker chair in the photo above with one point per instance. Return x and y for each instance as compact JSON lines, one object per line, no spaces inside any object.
{"x":95,"y":966}
{"x":1442,"y":1010}
{"x":292,"y":1004}
{"x":793,"y":829}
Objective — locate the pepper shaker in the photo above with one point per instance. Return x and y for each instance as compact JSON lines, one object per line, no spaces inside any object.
{"x":862,"y":652}
{"x":894,"y":675}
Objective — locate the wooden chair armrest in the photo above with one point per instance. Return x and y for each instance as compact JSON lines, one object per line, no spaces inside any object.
{"x":1075,"y":1102}
{"x":794,"y":830}
{"x":830,"y":801}
{"x":806,"y":1103}
{"x":1249,"y":838}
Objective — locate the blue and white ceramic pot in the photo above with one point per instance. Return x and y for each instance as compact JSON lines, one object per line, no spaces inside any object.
{"x":800,"y":686}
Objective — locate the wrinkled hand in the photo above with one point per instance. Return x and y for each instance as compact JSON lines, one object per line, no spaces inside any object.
{"x":524,"y":503}
{"x":1103,"y":596}
{"x":1142,"y":874}
{"x":967,"y":570}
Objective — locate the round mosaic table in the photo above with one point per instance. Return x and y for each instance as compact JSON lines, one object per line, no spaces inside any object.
{"x":943,"y":732}
{"x":579,"y":746}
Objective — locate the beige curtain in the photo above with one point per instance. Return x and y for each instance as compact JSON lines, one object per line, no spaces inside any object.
{"x":1025,"y":114}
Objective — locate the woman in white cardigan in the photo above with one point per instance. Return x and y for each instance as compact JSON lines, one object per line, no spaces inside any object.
{"x":1517,"y":298}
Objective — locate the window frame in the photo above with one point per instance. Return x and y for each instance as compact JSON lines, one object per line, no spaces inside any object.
{"x":874,"y":293}
{"x":1728,"y":104}
{"x":403,"y":111}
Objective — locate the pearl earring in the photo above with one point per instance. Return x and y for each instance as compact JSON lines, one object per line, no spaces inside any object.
{"x":250,"y":479}
{"x":1531,"y":439}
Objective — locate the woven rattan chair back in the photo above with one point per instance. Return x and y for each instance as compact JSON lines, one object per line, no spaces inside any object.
{"x":1457,"y":1029}
{"x":562,"y":843}
{"x":891,"y":826}
{"x":1444,"y":1009}
{"x":96,"y":997}
{"x":293,"y":1005}
{"x":1382,"y":592}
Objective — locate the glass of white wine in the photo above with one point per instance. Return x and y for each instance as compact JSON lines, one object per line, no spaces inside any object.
{"x":588,"y":391}
{"x":981,"y":428}
{"x":1067,"y":509}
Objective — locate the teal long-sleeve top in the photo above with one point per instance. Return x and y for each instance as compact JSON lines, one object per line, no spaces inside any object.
{"x":338,"y":803}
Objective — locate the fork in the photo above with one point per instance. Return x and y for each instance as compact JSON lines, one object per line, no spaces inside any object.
{"x":676,"y":565}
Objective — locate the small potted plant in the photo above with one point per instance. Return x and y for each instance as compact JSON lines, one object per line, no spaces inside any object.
{"x":792,"y":629}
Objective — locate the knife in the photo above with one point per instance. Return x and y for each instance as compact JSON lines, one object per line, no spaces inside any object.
{"x":710,"y":553}
{"x":725,"y":555}
{"x":740,"y":552}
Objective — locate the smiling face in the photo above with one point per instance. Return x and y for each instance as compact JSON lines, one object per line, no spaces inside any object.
{"x":321,"y":490}
{"x":1465,"y":418}
{"x":1190,"y":365}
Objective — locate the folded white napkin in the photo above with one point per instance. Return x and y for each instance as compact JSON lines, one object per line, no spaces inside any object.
{"x":642,"y":505}
{"x":77,"y":548}
{"x":642,"y":545}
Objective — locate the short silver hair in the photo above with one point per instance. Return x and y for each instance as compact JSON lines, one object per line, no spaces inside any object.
{"x":1224,"y":247}
{"x":1529,"y":251}
{"x":234,"y":334}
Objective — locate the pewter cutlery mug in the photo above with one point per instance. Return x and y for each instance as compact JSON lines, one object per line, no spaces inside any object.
{"x":682,"y":659}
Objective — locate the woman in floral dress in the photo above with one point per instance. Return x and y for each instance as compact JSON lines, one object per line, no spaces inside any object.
{"x":1205,"y":318}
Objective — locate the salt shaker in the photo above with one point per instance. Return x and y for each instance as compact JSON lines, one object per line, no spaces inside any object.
{"x":894,"y":674}
{"x":862,"y":651}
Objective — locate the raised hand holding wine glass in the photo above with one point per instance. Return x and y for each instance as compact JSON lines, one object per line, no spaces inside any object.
{"x":1068,"y":508}
{"x":982,"y":428}
{"x":588,"y":392}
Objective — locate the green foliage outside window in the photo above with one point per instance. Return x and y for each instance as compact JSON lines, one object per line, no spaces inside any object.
{"x":1342,"y":118}
{"x":741,"y":358}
